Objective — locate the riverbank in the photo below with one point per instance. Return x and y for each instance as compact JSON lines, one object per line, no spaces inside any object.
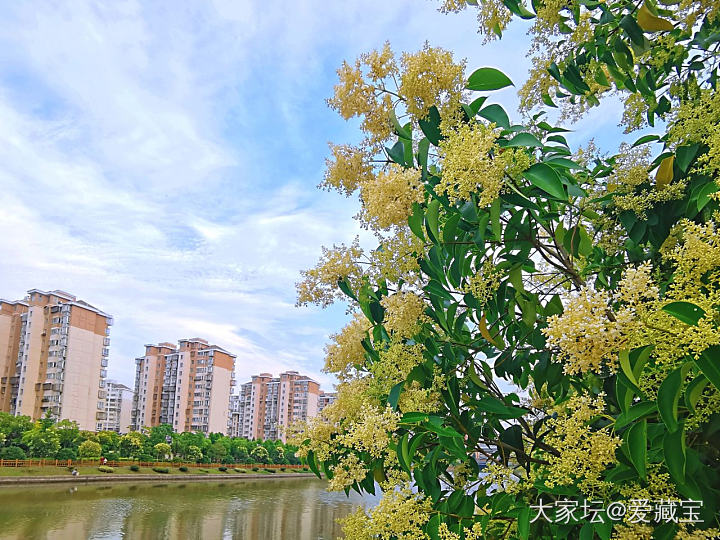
{"x":49,"y":474}
{"x":139,"y":477}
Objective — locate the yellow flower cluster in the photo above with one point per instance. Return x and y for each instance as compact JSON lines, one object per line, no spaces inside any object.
{"x":415,"y":398}
{"x":319,"y":284}
{"x":506,"y":479}
{"x":348,"y":471}
{"x":633,"y":531}
{"x":397,"y":257}
{"x":585,"y":335}
{"x":472,"y":162}
{"x":388,"y":197}
{"x":348,"y":169}
{"x":345,"y":350}
{"x":483,"y":284}
{"x":475,"y":532}
{"x":584,"y":453}
{"x":404,"y":314}
{"x":698,"y":121}
{"x":354,"y":96}
{"x":395,"y":364}
{"x":430,"y":77}
{"x":400,"y":515}
{"x":371,"y":432}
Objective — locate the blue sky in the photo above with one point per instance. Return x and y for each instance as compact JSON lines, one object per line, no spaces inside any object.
{"x":160,"y":159}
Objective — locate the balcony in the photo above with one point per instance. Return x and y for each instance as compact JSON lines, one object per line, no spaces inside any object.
{"x":101,"y":415}
{"x":102,"y":394}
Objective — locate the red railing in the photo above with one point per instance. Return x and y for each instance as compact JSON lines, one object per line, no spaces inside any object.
{"x":96,"y":462}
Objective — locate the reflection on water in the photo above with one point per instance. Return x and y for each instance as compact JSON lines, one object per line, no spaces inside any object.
{"x":251,"y":509}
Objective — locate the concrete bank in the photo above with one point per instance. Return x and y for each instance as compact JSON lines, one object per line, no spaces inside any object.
{"x":111,"y":477}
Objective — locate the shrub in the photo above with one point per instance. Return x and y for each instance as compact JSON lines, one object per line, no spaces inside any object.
{"x":183,"y":469}
{"x":105,"y":469}
{"x":12,"y":452}
{"x":162,"y":470}
{"x":241,"y":471}
{"x":89,"y":449}
{"x":255,"y":469}
{"x":134,"y":468}
{"x":66,"y":453}
{"x":204,"y":470}
{"x":222,"y":469}
{"x":282,"y":469}
{"x":271,"y":471}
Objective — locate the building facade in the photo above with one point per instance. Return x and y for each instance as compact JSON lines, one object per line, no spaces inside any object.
{"x":54,"y":353}
{"x":118,"y":407}
{"x":187,"y":386}
{"x":266,"y":405}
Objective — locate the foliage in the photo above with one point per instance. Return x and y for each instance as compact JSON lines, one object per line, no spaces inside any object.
{"x":66,"y":453}
{"x":134,"y":468}
{"x":538,"y":322}
{"x":183,"y":469}
{"x":41,"y":440}
{"x":106,"y":469}
{"x":89,"y":449}
{"x":162,"y":450}
{"x":161,"y":470}
{"x":12,"y":452}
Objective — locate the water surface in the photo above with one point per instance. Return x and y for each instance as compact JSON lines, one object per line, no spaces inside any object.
{"x":294,"y":508}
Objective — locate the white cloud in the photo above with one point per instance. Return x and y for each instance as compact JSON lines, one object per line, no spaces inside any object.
{"x":159,"y":160}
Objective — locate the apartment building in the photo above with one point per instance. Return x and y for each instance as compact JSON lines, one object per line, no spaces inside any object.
{"x":118,"y":407}
{"x":266,"y":405}
{"x":187,"y":386}
{"x":53,"y":357}
{"x":325,"y":399}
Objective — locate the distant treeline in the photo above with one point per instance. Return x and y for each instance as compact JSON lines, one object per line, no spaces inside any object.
{"x":21,"y":438}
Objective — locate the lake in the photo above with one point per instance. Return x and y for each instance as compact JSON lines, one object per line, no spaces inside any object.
{"x":293,"y":508}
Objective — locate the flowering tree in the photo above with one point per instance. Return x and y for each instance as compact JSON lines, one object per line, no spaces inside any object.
{"x":535,"y":341}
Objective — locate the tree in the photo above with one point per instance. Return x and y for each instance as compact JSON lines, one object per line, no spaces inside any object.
{"x":546,"y":313}
{"x":194,"y":454}
{"x":131,"y":444}
{"x":89,"y":449}
{"x":162,"y":451}
{"x":68,"y":433}
{"x":42,"y":440}
{"x":217,"y":451}
{"x":259,"y":454}
{"x":13,"y":427}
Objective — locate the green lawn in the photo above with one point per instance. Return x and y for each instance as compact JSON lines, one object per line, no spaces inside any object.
{"x":62,"y":471}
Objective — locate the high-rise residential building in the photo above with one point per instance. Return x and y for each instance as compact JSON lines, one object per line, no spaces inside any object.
{"x":266,"y":405}
{"x":53,"y":357}
{"x":187,"y":386}
{"x":118,"y":407}
{"x":325,"y":399}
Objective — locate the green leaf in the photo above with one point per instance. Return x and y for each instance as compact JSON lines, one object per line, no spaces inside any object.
{"x":485,"y":79}
{"x":630,"y":25}
{"x":524,"y":139}
{"x":668,"y":396}
{"x":312,"y":463}
{"x":685,"y":155}
{"x":345,"y":287}
{"x":645,"y":139}
{"x":694,"y":390}
{"x":400,"y":130}
{"x":476,"y":104}
{"x":430,"y":126}
{"x":637,"y":446}
{"x":495,"y":113}
{"x":523,"y":523}
{"x":544,"y":177}
{"x":709,"y":364}
{"x":674,"y":451}
{"x":639,"y":410}
{"x":415,"y":221}
{"x":431,"y":219}
{"x":397,"y":153}
{"x":704,"y":193}
{"x":394,"y":395}
{"x":685,"y":311}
